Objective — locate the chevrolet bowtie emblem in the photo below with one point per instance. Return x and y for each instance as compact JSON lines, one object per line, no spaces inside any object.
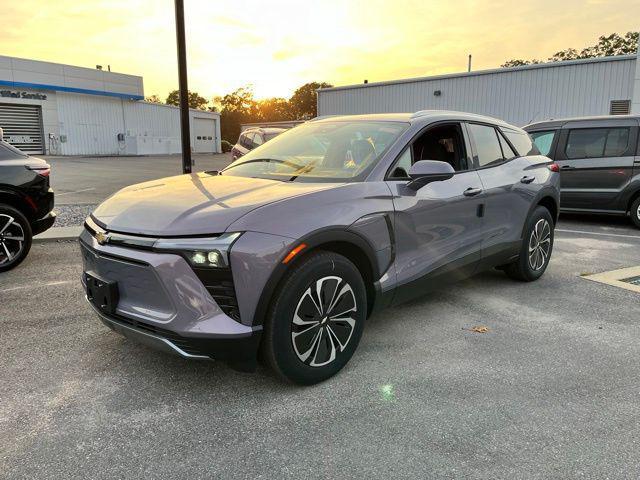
{"x":102,"y":238}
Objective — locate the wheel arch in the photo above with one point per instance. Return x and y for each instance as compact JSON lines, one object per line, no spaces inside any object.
{"x":13,"y":199}
{"x":351,"y":245}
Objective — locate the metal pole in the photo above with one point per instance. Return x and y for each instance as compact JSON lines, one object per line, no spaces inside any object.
{"x":469,"y":65}
{"x":184,"y":89}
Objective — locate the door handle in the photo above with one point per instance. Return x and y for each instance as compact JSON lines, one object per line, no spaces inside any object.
{"x":567,"y":167}
{"x":527,"y":179}
{"x":472,"y":192}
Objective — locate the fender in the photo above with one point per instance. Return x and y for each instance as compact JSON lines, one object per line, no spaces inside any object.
{"x":313,"y":240}
{"x":546,"y":191}
{"x":630,"y":191}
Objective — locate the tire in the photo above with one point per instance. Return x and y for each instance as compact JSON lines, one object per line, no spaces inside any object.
{"x":538,"y":235}
{"x":300,"y":342}
{"x":13,"y":226}
{"x":635,"y":212}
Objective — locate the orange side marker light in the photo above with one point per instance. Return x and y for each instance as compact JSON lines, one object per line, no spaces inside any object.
{"x":294,"y":252}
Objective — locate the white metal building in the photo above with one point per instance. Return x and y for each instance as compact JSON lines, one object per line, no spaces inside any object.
{"x":65,"y":110}
{"x":521,"y":95}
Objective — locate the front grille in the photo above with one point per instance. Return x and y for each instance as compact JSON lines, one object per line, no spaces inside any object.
{"x":219,"y":283}
{"x":182,"y":343}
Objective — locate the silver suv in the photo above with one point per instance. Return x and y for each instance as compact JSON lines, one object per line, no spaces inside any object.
{"x":289,"y":249}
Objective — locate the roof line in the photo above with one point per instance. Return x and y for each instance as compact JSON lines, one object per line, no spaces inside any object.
{"x":617,"y":58}
{"x":57,"y":88}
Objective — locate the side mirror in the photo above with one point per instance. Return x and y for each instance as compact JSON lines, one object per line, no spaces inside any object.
{"x":427,"y":171}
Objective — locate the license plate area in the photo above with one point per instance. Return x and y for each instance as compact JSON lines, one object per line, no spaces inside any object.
{"x":103,"y":294}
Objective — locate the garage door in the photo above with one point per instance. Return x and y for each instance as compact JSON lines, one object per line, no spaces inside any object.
{"x":22,"y":127}
{"x":204,"y":131}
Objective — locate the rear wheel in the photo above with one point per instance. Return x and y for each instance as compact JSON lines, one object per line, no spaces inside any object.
{"x":537,"y":245}
{"x":635,"y":212}
{"x":15,"y":237}
{"x":316,"y":319}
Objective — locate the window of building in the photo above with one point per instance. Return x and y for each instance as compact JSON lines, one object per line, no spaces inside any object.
{"x":620,"y":107}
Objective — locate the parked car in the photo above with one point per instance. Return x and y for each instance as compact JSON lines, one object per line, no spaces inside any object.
{"x":252,"y":138}
{"x":289,"y":249}
{"x":26,"y":203}
{"x":599,"y":160}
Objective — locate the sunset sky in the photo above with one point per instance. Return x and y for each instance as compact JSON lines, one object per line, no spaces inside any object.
{"x":278,"y":45}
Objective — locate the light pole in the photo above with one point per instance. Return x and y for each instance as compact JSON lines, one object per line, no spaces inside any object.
{"x":183,"y":88}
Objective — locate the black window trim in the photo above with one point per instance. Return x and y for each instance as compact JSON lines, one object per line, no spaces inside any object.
{"x":627,"y":152}
{"x":465,"y":141}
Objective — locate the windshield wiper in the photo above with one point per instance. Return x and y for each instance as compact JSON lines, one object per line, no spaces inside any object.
{"x":267,"y":160}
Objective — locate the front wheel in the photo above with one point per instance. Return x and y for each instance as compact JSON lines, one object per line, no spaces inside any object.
{"x":635,"y":212}
{"x":316,"y":319}
{"x":15,"y":237}
{"x":537,"y":245}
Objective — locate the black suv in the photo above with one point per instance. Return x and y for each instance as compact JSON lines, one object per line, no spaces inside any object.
{"x":26,"y":203}
{"x":599,"y":160}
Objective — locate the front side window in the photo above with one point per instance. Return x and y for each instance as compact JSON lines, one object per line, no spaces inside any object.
{"x":543,"y":141}
{"x":597,"y":142}
{"x":488,"y":149}
{"x":320,"y":151}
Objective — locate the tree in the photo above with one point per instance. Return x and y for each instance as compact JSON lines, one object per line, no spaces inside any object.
{"x":303,"y":102}
{"x":153,"y":99}
{"x":607,"y":46}
{"x":519,"y":63}
{"x":195,"y":100}
{"x":275,"y":110}
{"x":236,"y":108}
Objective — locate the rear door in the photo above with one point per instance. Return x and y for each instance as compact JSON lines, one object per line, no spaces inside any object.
{"x":596,"y":160}
{"x":507,"y":187}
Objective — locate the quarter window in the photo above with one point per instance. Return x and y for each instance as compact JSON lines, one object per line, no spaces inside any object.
{"x":257,"y":140}
{"x":488,"y":149}
{"x":521,"y":140}
{"x":543,"y":141}
{"x":507,"y":151}
{"x":597,"y":142}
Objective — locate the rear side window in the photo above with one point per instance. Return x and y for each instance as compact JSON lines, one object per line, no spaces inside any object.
{"x":543,"y":141}
{"x":523,"y":143}
{"x":257,"y":140}
{"x":488,"y":149}
{"x":9,"y":152}
{"x":597,"y":142}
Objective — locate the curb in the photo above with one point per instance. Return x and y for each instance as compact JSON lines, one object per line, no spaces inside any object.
{"x":58,"y":234}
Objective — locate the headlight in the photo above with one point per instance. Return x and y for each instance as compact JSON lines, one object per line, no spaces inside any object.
{"x":201,"y":252}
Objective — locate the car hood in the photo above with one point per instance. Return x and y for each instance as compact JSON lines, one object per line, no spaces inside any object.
{"x":195,"y":204}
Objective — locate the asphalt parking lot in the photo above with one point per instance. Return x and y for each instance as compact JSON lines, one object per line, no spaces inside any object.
{"x":551,"y":390}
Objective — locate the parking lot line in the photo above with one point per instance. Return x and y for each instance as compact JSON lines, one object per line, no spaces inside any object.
{"x":48,"y":284}
{"x":77,"y":191}
{"x":637,"y":237}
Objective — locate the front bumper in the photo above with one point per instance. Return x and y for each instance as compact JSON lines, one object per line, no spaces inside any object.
{"x":44,"y":223}
{"x":162,"y":303}
{"x":239,"y":351}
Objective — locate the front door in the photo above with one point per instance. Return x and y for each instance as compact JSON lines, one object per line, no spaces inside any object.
{"x":438,"y":228}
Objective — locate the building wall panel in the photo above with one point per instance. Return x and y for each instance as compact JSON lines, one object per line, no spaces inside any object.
{"x":518,"y":96}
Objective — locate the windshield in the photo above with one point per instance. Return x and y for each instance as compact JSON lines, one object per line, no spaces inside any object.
{"x":322,"y":151}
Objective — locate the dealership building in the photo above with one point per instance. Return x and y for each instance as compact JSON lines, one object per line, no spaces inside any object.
{"x":521,"y":95}
{"x":49,"y":108}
